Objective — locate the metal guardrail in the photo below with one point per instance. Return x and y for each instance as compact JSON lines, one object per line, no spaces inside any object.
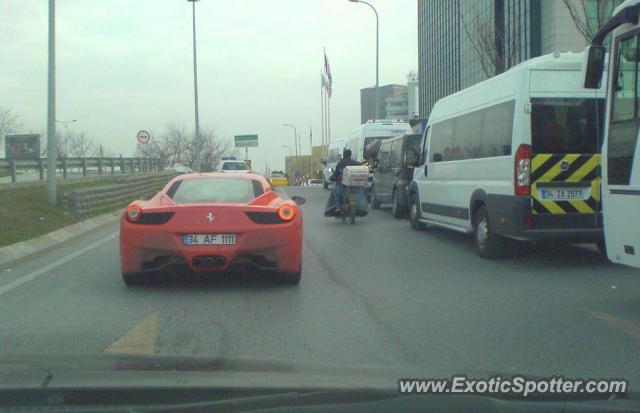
{"x":103,"y":166}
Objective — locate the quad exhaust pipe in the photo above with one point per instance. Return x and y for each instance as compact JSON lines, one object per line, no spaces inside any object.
{"x":209,"y":261}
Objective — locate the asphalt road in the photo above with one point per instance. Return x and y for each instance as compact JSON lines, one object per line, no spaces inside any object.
{"x":375,"y":293}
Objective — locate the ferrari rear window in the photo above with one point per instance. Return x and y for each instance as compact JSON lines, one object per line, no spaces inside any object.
{"x":205,"y":190}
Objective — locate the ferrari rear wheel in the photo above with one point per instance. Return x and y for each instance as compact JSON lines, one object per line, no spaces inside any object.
{"x":133,"y":279}
{"x":290,"y":278}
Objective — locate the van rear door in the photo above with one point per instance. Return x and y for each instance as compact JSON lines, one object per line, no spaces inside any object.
{"x":565,"y":162}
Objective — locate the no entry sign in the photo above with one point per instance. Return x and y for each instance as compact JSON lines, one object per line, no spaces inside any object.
{"x":143,"y":136}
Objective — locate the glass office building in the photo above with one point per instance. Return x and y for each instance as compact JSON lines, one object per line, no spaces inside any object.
{"x":463,"y":42}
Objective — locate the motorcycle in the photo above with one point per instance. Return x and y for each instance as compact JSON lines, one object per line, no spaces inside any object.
{"x":353,"y":202}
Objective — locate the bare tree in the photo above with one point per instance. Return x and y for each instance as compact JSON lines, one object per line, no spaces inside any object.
{"x":587,"y":23}
{"x":496,"y":49}
{"x":81,"y":146}
{"x":61,"y":146}
{"x":178,"y":146}
{"x":212,"y":149}
{"x":9,"y":123}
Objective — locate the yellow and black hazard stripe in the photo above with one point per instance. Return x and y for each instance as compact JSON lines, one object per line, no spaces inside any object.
{"x":571,"y":168}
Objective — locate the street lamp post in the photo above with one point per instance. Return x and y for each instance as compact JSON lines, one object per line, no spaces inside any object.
{"x":51,"y":107}
{"x":195,"y":88}
{"x":66,"y":136}
{"x":290,"y":156}
{"x":377,"y":51}
{"x":295,"y":137}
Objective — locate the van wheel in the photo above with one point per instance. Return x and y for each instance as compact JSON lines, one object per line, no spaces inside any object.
{"x":375,"y":203}
{"x":602,"y":247}
{"x":415,"y":215}
{"x":488,"y":244}
{"x":397,"y":209}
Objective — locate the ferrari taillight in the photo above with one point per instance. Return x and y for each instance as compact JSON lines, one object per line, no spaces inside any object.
{"x":286,"y":212}
{"x":133,"y":213}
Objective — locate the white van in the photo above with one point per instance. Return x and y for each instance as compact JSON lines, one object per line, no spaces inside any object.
{"x":334,"y":155}
{"x":621,"y":152}
{"x":515,"y":156}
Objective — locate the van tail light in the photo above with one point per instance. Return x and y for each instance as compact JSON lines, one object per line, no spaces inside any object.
{"x":286,"y":212}
{"x":133,"y":213}
{"x":522,"y":170}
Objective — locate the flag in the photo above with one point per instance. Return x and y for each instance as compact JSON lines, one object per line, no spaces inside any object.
{"x":327,"y":74}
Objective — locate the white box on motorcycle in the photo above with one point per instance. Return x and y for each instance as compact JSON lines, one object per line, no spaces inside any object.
{"x":355,"y":176}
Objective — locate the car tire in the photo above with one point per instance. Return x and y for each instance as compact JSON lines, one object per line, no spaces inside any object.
{"x":397,"y":210}
{"x":375,"y":203}
{"x":488,"y":244}
{"x":290,"y":278}
{"x":415,"y":215}
{"x":602,"y":247}
{"x":134,"y":279}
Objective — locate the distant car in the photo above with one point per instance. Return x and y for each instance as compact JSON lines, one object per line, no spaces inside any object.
{"x":238,"y":167}
{"x":393,"y":172}
{"x":212,"y":222}
{"x":315,"y":182}
{"x":182,"y":169}
{"x":278,"y":180}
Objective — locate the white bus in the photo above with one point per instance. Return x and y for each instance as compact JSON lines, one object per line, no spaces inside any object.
{"x":515,"y":156}
{"x":621,"y":152}
{"x":365,"y":141}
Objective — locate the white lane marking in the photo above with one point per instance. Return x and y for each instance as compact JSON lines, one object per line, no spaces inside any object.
{"x":35,"y":274}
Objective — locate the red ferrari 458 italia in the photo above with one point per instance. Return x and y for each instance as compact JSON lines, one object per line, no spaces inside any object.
{"x":212,"y":222}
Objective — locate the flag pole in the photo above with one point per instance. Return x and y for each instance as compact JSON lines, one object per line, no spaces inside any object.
{"x":328,"y":120}
{"x":322,"y":111}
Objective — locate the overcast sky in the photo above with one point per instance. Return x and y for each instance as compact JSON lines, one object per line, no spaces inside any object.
{"x":125,"y":65}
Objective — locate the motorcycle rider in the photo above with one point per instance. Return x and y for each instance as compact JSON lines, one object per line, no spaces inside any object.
{"x":337,"y":178}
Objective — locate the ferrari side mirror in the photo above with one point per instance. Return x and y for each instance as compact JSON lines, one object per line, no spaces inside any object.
{"x":298,"y":200}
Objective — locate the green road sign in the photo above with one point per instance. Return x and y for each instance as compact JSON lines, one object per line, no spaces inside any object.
{"x":246,"y":141}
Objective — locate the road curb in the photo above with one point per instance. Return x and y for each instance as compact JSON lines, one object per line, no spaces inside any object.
{"x":14,"y":253}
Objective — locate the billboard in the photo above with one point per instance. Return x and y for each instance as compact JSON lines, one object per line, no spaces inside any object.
{"x":22,"y":146}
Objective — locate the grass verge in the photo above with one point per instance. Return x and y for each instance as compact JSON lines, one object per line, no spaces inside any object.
{"x":25,"y":212}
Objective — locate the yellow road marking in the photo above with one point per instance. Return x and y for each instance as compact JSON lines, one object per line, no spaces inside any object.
{"x":628,"y":327}
{"x":139,"y":340}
